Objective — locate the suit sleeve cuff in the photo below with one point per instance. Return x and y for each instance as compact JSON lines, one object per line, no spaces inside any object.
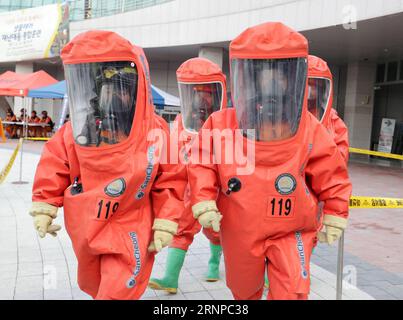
{"x":335,"y":221}
{"x":165,"y":225}
{"x":202,"y":207}
{"x":43,"y":208}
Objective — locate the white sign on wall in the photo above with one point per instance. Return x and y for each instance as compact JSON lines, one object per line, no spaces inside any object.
{"x":386,"y":136}
{"x":34,"y":33}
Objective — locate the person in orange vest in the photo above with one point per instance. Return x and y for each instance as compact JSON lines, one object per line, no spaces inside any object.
{"x":11,"y":129}
{"x":22,"y":118}
{"x":46,"y":120}
{"x":34,"y":131}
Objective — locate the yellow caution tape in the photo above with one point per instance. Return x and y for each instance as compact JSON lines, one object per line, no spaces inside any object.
{"x":37,"y":139}
{"x":375,"y":203}
{"x":377,"y":153}
{"x":4,"y":173}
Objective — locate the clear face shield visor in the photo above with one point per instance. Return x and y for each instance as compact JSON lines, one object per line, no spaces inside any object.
{"x":268,"y":96}
{"x":198,"y":102}
{"x":319,"y":96}
{"x":102,"y":99}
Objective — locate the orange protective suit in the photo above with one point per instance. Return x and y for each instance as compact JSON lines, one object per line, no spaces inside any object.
{"x":318,"y":68}
{"x":124,"y":186}
{"x":197,"y":70}
{"x":274,"y":217}
{"x":339,"y":131}
{"x":188,"y":225}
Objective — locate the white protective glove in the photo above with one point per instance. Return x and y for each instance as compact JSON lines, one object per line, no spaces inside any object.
{"x":164,"y":231}
{"x":334,"y":229}
{"x":44,"y":214}
{"x":207,"y":214}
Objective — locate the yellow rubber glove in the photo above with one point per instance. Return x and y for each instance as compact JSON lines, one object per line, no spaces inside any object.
{"x":207,"y":214}
{"x":334,"y":229}
{"x":44,"y":214}
{"x":164,"y":231}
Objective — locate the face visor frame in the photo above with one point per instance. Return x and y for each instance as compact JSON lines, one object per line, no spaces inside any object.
{"x":195,"y":104}
{"x":269,"y":96}
{"x":102,"y":101}
{"x":320,"y":107}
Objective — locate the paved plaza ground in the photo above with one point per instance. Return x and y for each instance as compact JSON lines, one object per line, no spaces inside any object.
{"x":373,"y":246}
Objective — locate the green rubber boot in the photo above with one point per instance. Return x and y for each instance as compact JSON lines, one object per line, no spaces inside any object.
{"x":213,"y":273}
{"x":169,"y":282}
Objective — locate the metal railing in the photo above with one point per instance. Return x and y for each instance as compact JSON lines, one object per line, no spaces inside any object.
{"x":340,"y":267}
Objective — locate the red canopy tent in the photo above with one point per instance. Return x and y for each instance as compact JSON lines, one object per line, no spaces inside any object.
{"x":18,"y":85}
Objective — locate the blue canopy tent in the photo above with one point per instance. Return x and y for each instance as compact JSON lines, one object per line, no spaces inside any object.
{"x":54,"y":91}
{"x":58,"y":90}
{"x":162,"y":98}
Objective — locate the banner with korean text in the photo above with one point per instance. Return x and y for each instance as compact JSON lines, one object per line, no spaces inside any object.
{"x":34,"y":33}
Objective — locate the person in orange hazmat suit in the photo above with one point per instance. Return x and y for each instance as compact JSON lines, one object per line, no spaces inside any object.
{"x":272,"y":214}
{"x":202,"y":88}
{"x":122,"y":201}
{"x":320,"y":101}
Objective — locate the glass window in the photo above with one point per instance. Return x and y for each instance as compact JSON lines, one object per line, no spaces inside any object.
{"x":46,"y":2}
{"x":392,"y":71}
{"x":37,"y":3}
{"x":380,"y":73}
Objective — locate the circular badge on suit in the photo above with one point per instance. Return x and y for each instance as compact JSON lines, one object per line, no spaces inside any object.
{"x":82,"y":140}
{"x":116,"y":188}
{"x":285,"y":184}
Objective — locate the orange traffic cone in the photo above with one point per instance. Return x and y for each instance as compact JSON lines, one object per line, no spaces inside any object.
{"x":2,"y":134}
